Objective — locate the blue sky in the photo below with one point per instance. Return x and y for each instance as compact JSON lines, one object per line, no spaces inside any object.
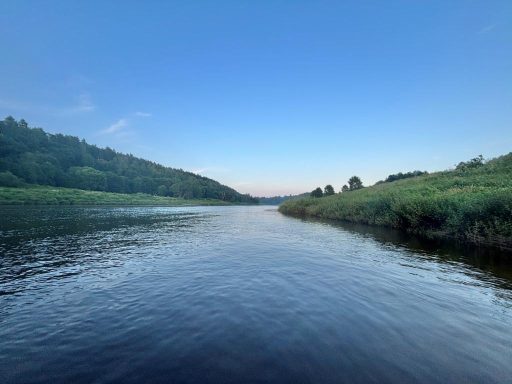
{"x":269,"y":97}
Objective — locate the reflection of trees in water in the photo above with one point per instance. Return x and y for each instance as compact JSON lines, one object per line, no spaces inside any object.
{"x":496,"y":262}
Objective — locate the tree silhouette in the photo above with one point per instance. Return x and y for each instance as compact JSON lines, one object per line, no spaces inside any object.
{"x":317,"y":192}
{"x":328,"y":190}
{"x":355,"y":183}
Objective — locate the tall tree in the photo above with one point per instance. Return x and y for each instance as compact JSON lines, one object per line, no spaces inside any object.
{"x":355,"y":183}
{"x":317,"y":192}
{"x":328,"y":190}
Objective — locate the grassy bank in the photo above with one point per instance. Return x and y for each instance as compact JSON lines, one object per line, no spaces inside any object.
{"x":469,"y":204}
{"x":43,"y":195}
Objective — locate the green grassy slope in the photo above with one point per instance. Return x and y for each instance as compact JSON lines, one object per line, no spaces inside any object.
{"x":43,"y":195}
{"x":473,"y":205}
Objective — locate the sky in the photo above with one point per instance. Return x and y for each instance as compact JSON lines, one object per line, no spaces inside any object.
{"x":268,"y":97}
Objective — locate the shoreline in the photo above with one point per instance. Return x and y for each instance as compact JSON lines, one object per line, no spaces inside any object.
{"x":430,"y":236}
{"x":59,"y":196}
{"x":470,"y":204}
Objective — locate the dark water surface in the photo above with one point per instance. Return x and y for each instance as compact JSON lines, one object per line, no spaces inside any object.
{"x":242,"y":295}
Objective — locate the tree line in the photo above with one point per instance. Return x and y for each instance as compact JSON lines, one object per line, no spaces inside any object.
{"x":354,"y":183}
{"x":33,"y":156}
{"x":400,"y":176}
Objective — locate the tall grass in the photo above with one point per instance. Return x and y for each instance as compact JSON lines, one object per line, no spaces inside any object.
{"x":473,"y":205}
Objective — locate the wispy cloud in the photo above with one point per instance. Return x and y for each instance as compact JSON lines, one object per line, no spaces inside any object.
{"x":242,"y":183}
{"x":143,"y":114}
{"x":119,"y":127}
{"x":487,"y":29}
{"x":14,"y":105}
{"x":83,"y":104}
{"x":201,"y":171}
{"x":116,"y":127}
{"x":79,"y":81}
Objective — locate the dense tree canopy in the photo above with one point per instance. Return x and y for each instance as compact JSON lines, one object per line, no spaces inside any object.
{"x":33,"y":156}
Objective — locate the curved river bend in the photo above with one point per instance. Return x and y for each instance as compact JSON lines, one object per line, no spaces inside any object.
{"x":242,"y":295}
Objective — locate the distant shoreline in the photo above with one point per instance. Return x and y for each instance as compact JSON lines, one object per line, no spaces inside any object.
{"x":34,"y":195}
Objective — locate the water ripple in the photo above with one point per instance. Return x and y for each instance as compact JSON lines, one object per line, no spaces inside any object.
{"x":242,"y":294}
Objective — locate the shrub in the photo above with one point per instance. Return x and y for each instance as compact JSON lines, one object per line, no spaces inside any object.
{"x":7,"y":179}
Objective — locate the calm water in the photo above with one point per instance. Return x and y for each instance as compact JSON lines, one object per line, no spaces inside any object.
{"x":242,"y":295}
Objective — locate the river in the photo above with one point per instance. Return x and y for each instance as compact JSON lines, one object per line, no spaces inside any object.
{"x":242,"y":295}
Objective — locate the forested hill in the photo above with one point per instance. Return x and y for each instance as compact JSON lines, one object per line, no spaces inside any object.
{"x":33,"y":156}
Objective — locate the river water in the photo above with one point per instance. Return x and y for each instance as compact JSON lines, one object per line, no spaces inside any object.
{"x":242,"y":295}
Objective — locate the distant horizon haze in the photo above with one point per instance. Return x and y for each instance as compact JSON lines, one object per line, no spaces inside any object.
{"x":269,"y":98}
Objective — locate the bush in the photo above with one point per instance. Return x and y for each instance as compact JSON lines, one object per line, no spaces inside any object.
{"x":473,"y":163}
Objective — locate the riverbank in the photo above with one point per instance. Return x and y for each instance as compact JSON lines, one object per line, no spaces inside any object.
{"x":468,"y":204}
{"x":44,"y":195}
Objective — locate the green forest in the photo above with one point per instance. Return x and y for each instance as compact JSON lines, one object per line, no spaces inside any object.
{"x":32,"y":156}
{"x":472,"y":202}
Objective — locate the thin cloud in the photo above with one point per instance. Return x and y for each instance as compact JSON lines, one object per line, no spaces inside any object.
{"x":487,"y":29}
{"x":116,"y":127}
{"x":83,"y":104}
{"x":125,"y":134}
{"x":14,"y":105}
{"x":201,"y":171}
{"x":79,"y":81}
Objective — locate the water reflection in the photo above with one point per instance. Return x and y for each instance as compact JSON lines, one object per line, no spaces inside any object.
{"x":496,"y":263}
{"x":59,"y":242}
